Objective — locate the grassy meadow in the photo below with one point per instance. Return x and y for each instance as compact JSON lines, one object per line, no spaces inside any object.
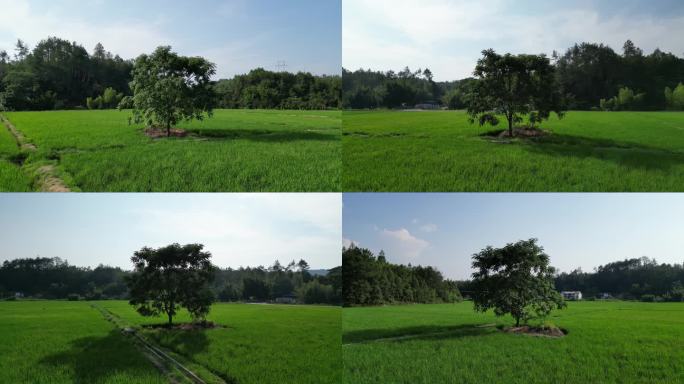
{"x":236,"y":150}
{"x":441,"y":151}
{"x":66,"y":342}
{"x":607,"y":342}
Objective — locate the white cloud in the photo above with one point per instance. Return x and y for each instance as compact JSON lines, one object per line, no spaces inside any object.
{"x":348,"y":242}
{"x":128,"y":38}
{"x":252,"y":229}
{"x":402,"y":243}
{"x":448,"y":35}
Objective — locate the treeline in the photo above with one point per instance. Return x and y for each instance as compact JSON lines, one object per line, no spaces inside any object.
{"x":279,"y":90}
{"x":591,"y":76}
{"x":368,"y":279}
{"x":54,"y":278}
{"x":632,"y":279}
{"x":366,"y":89}
{"x":58,"y":74}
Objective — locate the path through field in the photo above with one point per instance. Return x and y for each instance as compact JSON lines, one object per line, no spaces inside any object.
{"x":47,"y":179}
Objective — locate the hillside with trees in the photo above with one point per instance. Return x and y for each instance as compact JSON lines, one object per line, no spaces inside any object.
{"x":59,"y":74}
{"x":55,"y":278}
{"x":632,"y":279}
{"x":591,"y":76}
{"x":368,"y":279}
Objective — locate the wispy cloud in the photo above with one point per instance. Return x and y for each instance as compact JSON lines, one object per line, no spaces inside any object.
{"x":448,"y":35}
{"x":402,"y":243}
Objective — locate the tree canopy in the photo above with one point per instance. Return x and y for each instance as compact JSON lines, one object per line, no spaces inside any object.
{"x":515,"y":279}
{"x":514,"y":85}
{"x":371,"y":280}
{"x":169,"y":88}
{"x":167,"y":278}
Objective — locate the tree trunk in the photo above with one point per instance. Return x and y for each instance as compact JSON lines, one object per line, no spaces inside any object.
{"x":168,"y":129}
{"x":517,"y":321}
{"x":170,"y":318}
{"x":510,"y":125}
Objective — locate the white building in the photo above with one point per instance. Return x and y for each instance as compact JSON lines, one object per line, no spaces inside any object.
{"x":572,"y":295}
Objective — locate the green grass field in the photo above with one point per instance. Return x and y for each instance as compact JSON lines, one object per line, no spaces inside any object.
{"x":236,"y":150}
{"x":12,"y":179}
{"x":607,"y":342}
{"x":66,"y":342}
{"x":441,"y":151}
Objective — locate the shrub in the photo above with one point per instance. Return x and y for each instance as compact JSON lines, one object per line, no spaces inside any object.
{"x":648,"y":298}
{"x":73,"y":297}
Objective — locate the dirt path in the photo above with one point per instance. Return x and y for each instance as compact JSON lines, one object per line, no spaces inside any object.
{"x":47,"y":181}
{"x":160,"y":359}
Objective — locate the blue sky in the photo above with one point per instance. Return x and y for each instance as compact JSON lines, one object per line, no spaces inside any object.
{"x":238,"y":229}
{"x":448,"y":35}
{"x":577,"y":230}
{"x":238,"y":35}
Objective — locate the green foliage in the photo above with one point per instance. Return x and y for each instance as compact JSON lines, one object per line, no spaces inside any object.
{"x":270,"y":151}
{"x":168,"y":88}
{"x":110,"y":99}
{"x":512,"y":86}
{"x":279,"y":90}
{"x":314,"y":292}
{"x":367,"y":280}
{"x":675,"y":98}
{"x":626,"y":100}
{"x":171,"y":277}
{"x":64,"y":342}
{"x":628,"y":279}
{"x":58,"y":74}
{"x":442,"y":342}
{"x":439,"y":151}
{"x":517,"y":280}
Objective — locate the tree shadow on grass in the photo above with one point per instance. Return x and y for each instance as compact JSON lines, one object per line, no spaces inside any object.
{"x":427,"y":332}
{"x":95,"y":359}
{"x":185,"y":342}
{"x":263,"y":135}
{"x":624,"y":153}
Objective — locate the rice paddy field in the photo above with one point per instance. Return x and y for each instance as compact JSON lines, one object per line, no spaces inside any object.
{"x":67,"y":342}
{"x":440,"y":151}
{"x":606,"y":342}
{"x":236,"y":150}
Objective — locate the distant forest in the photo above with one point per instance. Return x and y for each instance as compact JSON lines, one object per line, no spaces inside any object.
{"x":368,"y":279}
{"x":54,"y":278}
{"x":59,"y":74}
{"x":592,"y":76}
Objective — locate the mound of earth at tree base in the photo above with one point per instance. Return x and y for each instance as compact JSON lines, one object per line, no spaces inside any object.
{"x":156,"y":133}
{"x":185,"y":326}
{"x":537,"y":331}
{"x":518,"y":132}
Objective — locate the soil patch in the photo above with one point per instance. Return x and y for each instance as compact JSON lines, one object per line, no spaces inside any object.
{"x":49,"y":182}
{"x":157,"y":133}
{"x":185,"y":326}
{"x":537,"y":331}
{"x":524,"y":132}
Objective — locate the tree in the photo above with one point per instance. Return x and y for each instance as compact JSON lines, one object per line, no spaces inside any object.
{"x":21,"y":49}
{"x":167,"y":278}
{"x":168,"y":88}
{"x":515,"y":280}
{"x":514,"y":85}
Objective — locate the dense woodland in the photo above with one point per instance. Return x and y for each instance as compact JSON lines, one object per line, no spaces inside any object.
{"x":632,"y":279}
{"x":370,"y":280}
{"x":591,"y":76}
{"x":54,"y":278}
{"x":59,"y":74}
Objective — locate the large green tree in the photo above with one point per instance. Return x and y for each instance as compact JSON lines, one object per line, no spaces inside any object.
{"x":167,"y":278}
{"x":514,"y":85}
{"x":517,"y":280}
{"x":169,"y":88}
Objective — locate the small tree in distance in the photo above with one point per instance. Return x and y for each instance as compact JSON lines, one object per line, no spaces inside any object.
{"x":513,"y":86}
{"x":515,"y":280}
{"x":171,"y":277}
{"x":168,"y":88}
